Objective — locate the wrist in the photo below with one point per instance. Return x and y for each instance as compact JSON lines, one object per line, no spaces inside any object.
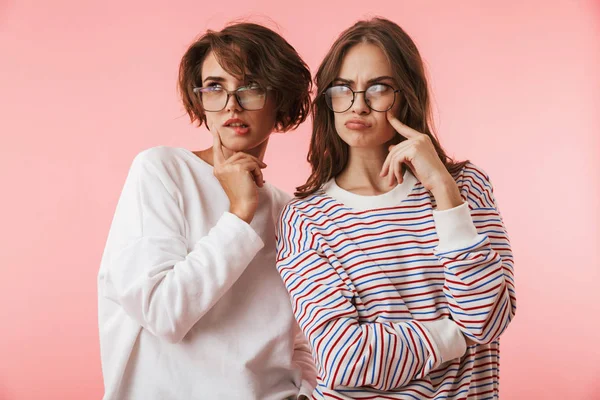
{"x":446,"y":193}
{"x":243,"y":212}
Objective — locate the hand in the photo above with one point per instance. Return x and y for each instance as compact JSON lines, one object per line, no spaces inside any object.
{"x":239,"y":175}
{"x":418,"y":153}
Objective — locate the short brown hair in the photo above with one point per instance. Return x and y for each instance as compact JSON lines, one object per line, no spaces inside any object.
{"x":248,"y":50}
{"x":328,"y":153}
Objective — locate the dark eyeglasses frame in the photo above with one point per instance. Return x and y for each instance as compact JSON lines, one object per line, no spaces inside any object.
{"x":355,"y":92}
{"x":197,"y":90}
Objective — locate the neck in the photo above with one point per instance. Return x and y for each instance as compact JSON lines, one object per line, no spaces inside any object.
{"x":361,"y":174}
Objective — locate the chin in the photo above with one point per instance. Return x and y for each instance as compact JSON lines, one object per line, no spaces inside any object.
{"x":361,"y":140}
{"x":241,"y":143}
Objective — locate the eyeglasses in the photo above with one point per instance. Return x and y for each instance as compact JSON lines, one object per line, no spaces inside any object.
{"x":214,"y":98}
{"x":378,"y":97}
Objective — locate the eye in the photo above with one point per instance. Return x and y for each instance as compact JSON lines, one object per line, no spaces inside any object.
{"x":378,"y":88}
{"x":338,"y":90}
{"x":250,"y":86}
{"x":213,"y":87}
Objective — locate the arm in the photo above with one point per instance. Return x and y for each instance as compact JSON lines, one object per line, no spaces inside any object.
{"x":477,"y":258}
{"x":382,"y":355}
{"x":303,"y":359}
{"x":473,"y":245}
{"x":149,"y":271}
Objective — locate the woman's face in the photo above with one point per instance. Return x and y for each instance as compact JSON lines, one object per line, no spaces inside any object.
{"x":239,"y":129}
{"x":364,"y":67}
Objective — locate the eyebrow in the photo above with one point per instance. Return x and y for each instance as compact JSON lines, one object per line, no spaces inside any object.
{"x":373,"y":80}
{"x":214,"y":78}
{"x":220,"y":79}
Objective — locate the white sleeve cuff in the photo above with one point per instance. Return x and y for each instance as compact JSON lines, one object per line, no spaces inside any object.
{"x":306,"y":389}
{"x":447,"y":337}
{"x":455,"y":228}
{"x":238,"y":236}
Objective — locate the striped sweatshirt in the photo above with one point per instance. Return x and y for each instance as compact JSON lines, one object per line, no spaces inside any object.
{"x":381,"y":284}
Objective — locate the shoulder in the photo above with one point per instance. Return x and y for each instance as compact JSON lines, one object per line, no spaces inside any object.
{"x":279,"y":196}
{"x":173,"y":162}
{"x":475,"y":185}
{"x":159,"y":156}
{"x":171,"y":167}
{"x":297,"y":206}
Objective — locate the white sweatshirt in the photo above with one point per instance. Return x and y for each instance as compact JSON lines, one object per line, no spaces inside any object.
{"x":190,"y":303}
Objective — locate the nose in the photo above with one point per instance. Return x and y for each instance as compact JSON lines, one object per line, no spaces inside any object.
{"x":360,"y":105}
{"x":233,"y":104}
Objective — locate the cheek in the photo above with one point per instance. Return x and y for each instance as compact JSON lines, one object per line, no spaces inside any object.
{"x":385,"y":131}
{"x":265,"y":120}
{"x":210,"y":119}
{"x":339,"y":126}
{"x":390,"y":132}
{"x":397,"y":108}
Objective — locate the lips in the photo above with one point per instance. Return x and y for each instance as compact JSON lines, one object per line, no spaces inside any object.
{"x":357,"y":124}
{"x":235,"y":122}
{"x":239,"y":126}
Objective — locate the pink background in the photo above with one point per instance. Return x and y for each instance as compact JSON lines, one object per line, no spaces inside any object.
{"x":85,"y":85}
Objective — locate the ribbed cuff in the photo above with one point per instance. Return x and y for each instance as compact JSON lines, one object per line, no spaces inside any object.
{"x":306,"y":389}
{"x":455,"y":228}
{"x":447,"y":337}
{"x":238,"y":237}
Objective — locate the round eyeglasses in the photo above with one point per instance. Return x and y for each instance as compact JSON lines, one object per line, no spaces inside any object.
{"x":214,"y":98}
{"x":378,"y":97}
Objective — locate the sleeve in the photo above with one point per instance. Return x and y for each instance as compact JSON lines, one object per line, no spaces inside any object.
{"x":350,"y":353}
{"x":303,"y":359}
{"x":149,"y":270}
{"x":478,"y":263}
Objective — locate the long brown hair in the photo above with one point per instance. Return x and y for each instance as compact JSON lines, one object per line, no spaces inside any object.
{"x":250,"y":51}
{"x":328,"y":153}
